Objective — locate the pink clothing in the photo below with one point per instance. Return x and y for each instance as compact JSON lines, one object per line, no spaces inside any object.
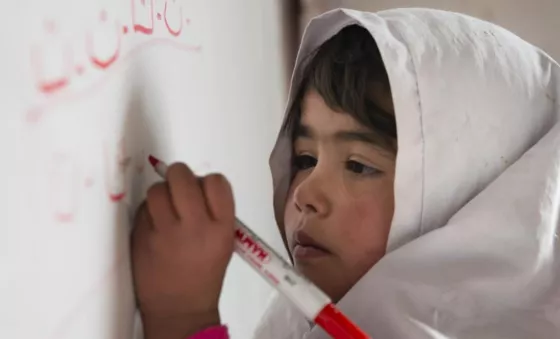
{"x":216,"y":332}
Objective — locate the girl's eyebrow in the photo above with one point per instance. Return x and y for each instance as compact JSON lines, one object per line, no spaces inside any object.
{"x":356,"y":135}
{"x":352,"y":135}
{"x":304,"y":131}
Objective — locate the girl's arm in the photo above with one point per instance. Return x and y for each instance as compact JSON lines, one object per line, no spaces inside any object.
{"x":181,"y":246}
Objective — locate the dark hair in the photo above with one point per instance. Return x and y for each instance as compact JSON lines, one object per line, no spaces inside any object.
{"x":343,"y":70}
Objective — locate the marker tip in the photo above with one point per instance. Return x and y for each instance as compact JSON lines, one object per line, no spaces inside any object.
{"x":153,"y":160}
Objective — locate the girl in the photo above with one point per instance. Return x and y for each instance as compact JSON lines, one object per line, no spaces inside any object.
{"x":447,"y":231}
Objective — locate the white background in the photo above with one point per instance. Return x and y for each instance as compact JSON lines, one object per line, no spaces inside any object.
{"x":83,"y":102}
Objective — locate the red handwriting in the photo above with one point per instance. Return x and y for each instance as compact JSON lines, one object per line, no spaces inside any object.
{"x":35,"y":113}
{"x":53,"y":61}
{"x":92,"y":43}
{"x":177,"y":31}
{"x":66,"y":181}
{"x":252,"y":246}
{"x":116,"y":164}
{"x":143,"y":16}
{"x":63,"y":179}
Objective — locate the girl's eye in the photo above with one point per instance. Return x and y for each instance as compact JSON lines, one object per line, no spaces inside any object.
{"x":361,"y":169}
{"x":303,"y":162}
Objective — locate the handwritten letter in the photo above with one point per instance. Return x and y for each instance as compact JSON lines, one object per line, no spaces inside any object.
{"x":143,"y":16}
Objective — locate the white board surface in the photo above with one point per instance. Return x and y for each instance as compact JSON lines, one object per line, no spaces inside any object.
{"x":88,"y":89}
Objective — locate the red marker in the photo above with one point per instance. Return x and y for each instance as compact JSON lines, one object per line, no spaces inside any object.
{"x":312,"y":302}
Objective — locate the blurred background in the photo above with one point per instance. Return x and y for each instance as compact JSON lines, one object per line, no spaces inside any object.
{"x":535,"y":21}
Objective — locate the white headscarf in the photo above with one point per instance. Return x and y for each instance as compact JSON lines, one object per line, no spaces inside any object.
{"x":473,"y":250}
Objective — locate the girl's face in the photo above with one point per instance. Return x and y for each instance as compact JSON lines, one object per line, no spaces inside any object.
{"x":340,"y":203}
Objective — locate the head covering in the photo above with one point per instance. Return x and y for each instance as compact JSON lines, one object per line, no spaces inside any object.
{"x":473,"y":250}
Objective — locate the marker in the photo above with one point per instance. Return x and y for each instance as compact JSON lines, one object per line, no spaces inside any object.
{"x":311,"y":301}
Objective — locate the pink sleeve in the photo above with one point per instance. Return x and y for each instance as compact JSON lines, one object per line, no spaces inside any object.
{"x":216,"y":332}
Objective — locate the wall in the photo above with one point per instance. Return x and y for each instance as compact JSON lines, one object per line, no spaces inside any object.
{"x":536,"y":21}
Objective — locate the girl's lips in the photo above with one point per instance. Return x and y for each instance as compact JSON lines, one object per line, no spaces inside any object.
{"x":302,"y":252}
{"x":306,"y":247}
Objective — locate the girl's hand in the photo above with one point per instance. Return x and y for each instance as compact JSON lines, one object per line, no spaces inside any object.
{"x":182,"y":242}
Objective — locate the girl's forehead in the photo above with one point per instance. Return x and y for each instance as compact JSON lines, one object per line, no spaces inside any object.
{"x":317,"y":115}
{"x":320,"y":122}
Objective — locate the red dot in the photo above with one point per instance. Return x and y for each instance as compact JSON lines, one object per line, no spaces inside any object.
{"x":159,"y":16}
{"x":103,"y":15}
{"x":50,"y":26}
{"x":64,"y":217}
{"x":188,"y":21}
{"x":33,"y":115}
{"x":125,"y":29}
{"x":80,"y":69}
{"x":88,"y":182}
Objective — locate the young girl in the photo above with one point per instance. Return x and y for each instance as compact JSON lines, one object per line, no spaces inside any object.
{"x":447,"y":231}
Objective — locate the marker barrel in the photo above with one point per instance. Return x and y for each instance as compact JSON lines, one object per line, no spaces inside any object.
{"x":279,"y":273}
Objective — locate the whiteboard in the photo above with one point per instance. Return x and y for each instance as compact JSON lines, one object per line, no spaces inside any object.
{"x":89,"y":88}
